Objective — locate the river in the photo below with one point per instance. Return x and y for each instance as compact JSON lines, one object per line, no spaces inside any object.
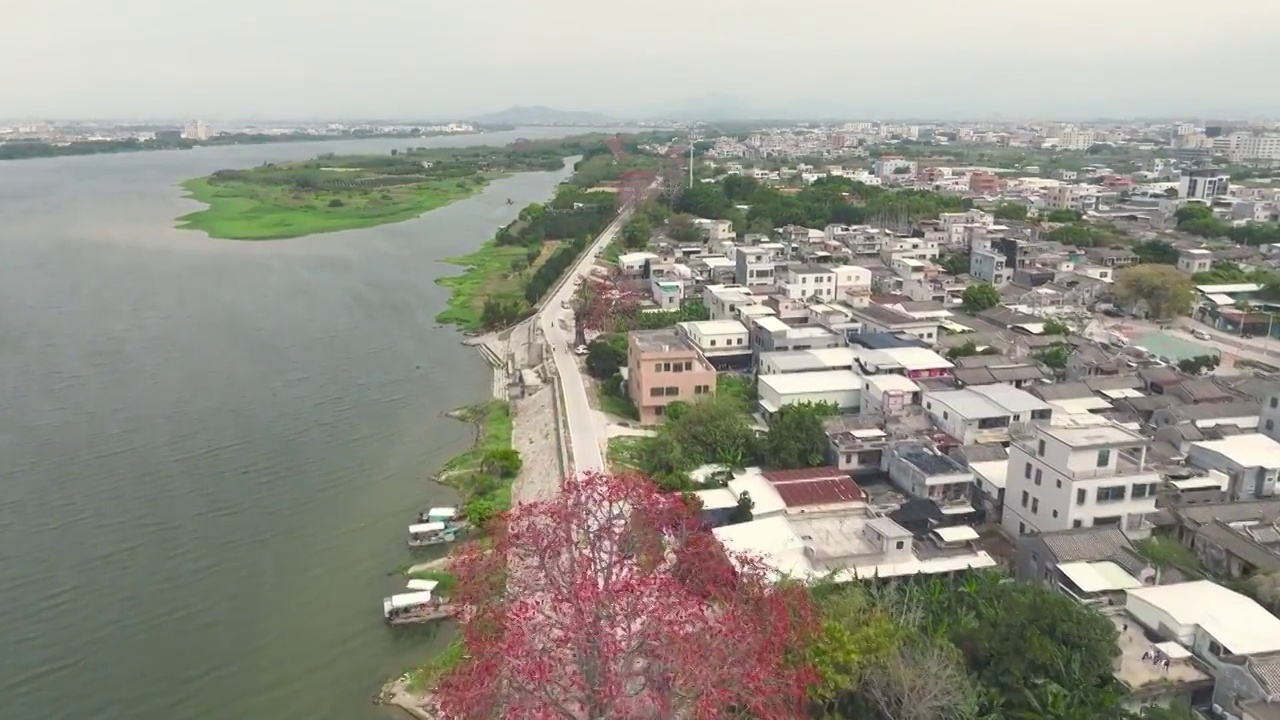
{"x":209,"y":449}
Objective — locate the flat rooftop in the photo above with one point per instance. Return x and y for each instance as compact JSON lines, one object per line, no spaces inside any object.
{"x":715,"y":327}
{"x":802,"y":360}
{"x":929,"y":462}
{"x":1094,"y":436}
{"x":1251,"y":450}
{"x":820,"y":381}
{"x":663,"y":340}
{"x":1137,"y":673}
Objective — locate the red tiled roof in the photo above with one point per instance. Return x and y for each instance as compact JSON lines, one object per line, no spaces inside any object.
{"x":828,"y":491}
{"x":818,"y":473}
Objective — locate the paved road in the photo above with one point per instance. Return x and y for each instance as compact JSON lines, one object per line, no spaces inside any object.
{"x":587,"y":427}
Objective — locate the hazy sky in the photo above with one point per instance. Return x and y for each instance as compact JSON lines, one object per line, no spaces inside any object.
{"x":438,"y":59}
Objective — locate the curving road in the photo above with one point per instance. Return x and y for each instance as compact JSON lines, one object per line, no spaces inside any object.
{"x":587,"y":427}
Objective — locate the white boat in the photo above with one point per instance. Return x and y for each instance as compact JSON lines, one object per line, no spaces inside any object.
{"x":433,"y":533}
{"x":439,"y":514}
{"x":423,"y":605}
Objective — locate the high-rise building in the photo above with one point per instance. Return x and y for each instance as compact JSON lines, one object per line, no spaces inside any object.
{"x":196,"y":130}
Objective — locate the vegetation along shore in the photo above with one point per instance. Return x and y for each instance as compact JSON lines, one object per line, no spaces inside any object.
{"x":506,"y":277}
{"x":346,"y":192}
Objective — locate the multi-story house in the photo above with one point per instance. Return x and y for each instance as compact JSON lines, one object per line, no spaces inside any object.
{"x":754,"y":265}
{"x":989,"y":266}
{"x":665,"y":367}
{"x":802,"y":282}
{"x":1083,"y":475}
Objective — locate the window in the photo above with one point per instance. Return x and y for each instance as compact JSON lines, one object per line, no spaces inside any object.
{"x":1058,"y":483}
{"x":1076,"y":523}
{"x":1039,"y":475}
{"x":701,"y":389}
{"x":1025,"y":497}
{"x":1027,"y":473}
{"x":657,"y":367}
{"x":1274,"y":402}
{"x":1022,"y":528}
{"x":739,"y":341}
{"x":666,"y":367}
{"x":711,"y":343}
{"x":1111,"y":493}
{"x":659,"y":410}
{"x":1080,"y":496}
{"x":1104,"y":458}
{"x":656,"y":392}
{"x":1035,"y":505}
{"x":678,"y":368}
{"x":1055,"y":513}
{"x":1040,"y":448}
{"x":901,"y":544}
{"x":688,"y":365}
{"x":1139,"y":491}
{"x":1271,"y":424}
{"x":945,"y":416}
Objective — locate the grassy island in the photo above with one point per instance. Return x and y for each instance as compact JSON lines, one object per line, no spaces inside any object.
{"x":347,"y":192}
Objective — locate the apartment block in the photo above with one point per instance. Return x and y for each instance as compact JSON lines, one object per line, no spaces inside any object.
{"x":1086,"y":475}
{"x":754,"y":265}
{"x":664,"y":367}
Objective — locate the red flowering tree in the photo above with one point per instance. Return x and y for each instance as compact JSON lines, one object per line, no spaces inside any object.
{"x":608,"y":603}
{"x":604,"y":303}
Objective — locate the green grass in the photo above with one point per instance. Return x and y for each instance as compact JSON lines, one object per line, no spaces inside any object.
{"x":493,"y":432}
{"x":447,"y":580}
{"x":488,"y":274}
{"x":616,"y":405}
{"x":425,"y":678}
{"x":624,"y":453}
{"x":611,"y":253}
{"x":241,"y":210}
{"x":741,"y":390}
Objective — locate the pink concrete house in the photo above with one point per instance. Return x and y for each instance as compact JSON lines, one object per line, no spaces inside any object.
{"x":663,"y":367}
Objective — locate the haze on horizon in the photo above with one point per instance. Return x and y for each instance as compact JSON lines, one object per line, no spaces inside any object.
{"x":408,"y":59}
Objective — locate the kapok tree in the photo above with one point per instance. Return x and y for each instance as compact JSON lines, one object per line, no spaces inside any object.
{"x":609,"y":603}
{"x":604,"y":304}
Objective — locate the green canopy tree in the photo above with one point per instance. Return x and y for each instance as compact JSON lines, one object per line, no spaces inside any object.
{"x":635,"y":234}
{"x":796,"y":438}
{"x":979,"y":297}
{"x":1163,"y":289}
{"x":1010,"y":211}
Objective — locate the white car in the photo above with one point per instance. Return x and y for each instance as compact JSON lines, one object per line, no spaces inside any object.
{"x":580,"y":350}
{"x":1201,"y":335}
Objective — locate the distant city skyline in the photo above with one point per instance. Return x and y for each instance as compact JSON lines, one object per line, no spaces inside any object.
{"x":809,"y":58}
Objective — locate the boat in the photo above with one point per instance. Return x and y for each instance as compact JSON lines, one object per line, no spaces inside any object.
{"x":432,"y":533}
{"x":438,"y":514}
{"x":510,"y":201}
{"x":422,"y":605}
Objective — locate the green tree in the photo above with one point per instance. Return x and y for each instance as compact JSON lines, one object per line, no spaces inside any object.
{"x":796,"y":438}
{"x":1198,"y":364}
{"x":979,"y":297}
{"x":681,"y":229}
{"x":1072,"y":234}
{"x":1055,"y":356}
{"x":479,"y":510}
{"x":1163,"y":289}
{"x":1192,"y":212}
{"x":857,"y":633}
{"x":1155,"y":251}
{"x":1010,"y":211}
{"x":955,"y":263}
{"x":635,"y":234}
{"x":502,"y":462}
{"x":605,"y":356}
{"x":1056,"y":327}
{"x":1062,"y":216}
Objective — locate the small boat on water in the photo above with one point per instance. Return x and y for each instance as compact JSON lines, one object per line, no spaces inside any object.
{"x":510,"y":201}
{"x":436,"y":526}
{"x":422,"y":605}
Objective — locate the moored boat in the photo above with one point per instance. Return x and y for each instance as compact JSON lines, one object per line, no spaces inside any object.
{"x":432,"y":533}
{"x":422,"y":605}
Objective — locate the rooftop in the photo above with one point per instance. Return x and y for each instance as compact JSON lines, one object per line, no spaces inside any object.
{"x":1251,"y":450}
{"x":822,"y":381}
{"x":661,"y":341}
{"x":1241,"y":625}
{"x":1011,"y":398}
{"x":1137,"y":673}
{"x":967,"y":403}
{"x":1101,"y":435}
{"x":927,"y":461}
{"x":907,"y":358}
{"x":892,"y":383}
{"x":714,"y":327}
{"x":815,"y":486}
{"x":801,"y":360}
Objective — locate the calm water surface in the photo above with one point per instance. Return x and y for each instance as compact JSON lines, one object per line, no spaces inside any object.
{"x":209,"y":450}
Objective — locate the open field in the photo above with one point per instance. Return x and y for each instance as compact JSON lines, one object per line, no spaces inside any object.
{"x":489,"y":273}
{"x":242,"y":210}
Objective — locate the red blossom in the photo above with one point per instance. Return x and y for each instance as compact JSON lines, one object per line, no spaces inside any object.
{"x":609,"y":603}
{"x":607,"y":303}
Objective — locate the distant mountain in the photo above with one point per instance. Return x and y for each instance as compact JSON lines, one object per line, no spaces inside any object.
{"x":541,"y":115}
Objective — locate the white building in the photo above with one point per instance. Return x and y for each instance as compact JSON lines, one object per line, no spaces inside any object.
{"x":1195,"y":260}
{"x":1090,"y":475}
{"x":717,"y":337}
{"x":840,"y":387}
{"x":1203,"y":184}
{"x":799,"y":361}
{"x":723,"y":302}
{"x":802,"y":282}
{"x":633,"y":263}
{"x":989,"y":266}
{"x":1250,"y":461}
{"x":1269,"y":419}
{"x":985,"y":413}
{"x":754,"y":265}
